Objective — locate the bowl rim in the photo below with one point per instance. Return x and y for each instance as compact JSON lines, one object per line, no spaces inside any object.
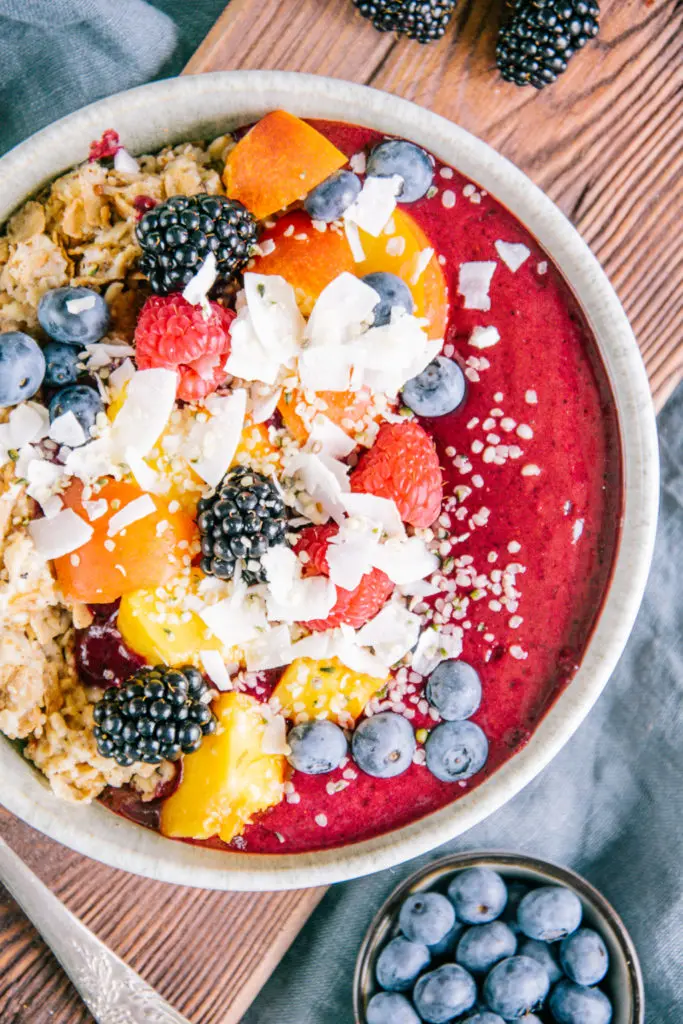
{"x":152,"y":115}
{"x":500,"y":860}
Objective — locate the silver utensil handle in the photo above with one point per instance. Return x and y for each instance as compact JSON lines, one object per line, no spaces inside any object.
{"x":113,"y":992}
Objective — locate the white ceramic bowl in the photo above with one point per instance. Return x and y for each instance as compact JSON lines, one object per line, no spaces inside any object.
{"x":207,"y":105}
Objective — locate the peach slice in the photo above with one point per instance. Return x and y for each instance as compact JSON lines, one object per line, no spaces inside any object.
{"x":278,"y":162}
{"x":307,"y":258}
{"x":148,"y":553}
{"x":396,"y":250}
{"x":229,"y":779}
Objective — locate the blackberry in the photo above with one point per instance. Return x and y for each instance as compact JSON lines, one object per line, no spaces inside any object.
{"x":537,"y":42}
{"x":157,"y":715}
{"x":177,"y":235}
{"x":238,"y":523}
{"x":423,"y":20}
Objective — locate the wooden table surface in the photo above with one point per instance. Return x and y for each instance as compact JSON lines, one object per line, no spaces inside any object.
{"x":606,"y":144}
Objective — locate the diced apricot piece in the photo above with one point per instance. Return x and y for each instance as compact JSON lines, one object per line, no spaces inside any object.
{"x":157,"y":624}
{"x":307,"y":258}
{"x":326,"y":689}
{"x":229,"y":779}
{"x":146,"y":554}
{"x":397,"y":251}
{"x":278,"y":162}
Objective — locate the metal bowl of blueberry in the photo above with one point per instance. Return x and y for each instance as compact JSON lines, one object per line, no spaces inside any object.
{"x":489,"y":938}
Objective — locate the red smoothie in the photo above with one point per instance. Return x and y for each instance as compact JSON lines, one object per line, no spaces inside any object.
{"x":536,"y":446}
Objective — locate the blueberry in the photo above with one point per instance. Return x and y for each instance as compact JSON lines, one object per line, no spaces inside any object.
{"x":384,"y":745}
{"x":456,"y":750}
{"x":478,"y":895}
{"x":22,"y":368}
{"x":584,"y":957}
{"x":61,"y":364}
{"x":483,"y":945}
{"x":574,"y":1004}
{"x":426,"y":917}
{"x":483,"y":1017}
{"x":329,"y":200}
{"x":516,"y":986}
{"x":438,"y":390}
{"x":390,"y":1008}
{"x":80,"y":399}
{"x":392,"y":291}
{"x":316,"y":747}
{"x":543,"y":954}
{"x":448,"y":942}
{"x":87,"y":323}
{"x":444,"y":993}
{"x":407,"y":160}
{"x":549,"y":913}
{"x":454,"y":689}
{"x":399,"y":964}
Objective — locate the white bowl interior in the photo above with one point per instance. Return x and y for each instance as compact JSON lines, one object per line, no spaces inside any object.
{"x":204,"y":106}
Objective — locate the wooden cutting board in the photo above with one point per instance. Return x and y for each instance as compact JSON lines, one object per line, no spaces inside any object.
{"x":606,"y":144}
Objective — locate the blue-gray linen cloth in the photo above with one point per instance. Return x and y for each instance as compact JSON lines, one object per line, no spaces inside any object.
{"x":610,"y":804}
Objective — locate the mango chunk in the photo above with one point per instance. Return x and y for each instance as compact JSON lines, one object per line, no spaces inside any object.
{"x":229,"y":779}
{"x":324,"y":689}
{"x":278,"y":162}
{"x":147,"y":553}
{"x":157,"y":624}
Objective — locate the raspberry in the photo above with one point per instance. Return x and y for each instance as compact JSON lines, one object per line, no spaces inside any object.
{"x":403,"y":466}
{"x":353,"y":607}
{"x":105,"y":148}
{"x":173,"y":334}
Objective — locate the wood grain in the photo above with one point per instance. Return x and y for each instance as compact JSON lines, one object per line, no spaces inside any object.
{"x":208,"y":953}
{"x":606,"y":144}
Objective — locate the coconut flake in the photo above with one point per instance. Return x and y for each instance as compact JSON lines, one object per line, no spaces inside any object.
{"x":220,"y":436}
{"x":146,"y":478}
{"x":421,"y":263}
{"x":121,"y":375}
{"x":61,"y":534}
{"x":262,"y":406}
{"x":434,"y":647}
{"x":236,"y":619}
{"x":198,"y":287}
{"x":271,"y":649}
{"x":67,"y":430}
{"x":27,"y":422}
{"x":484,"y":337}
{"x":474,"y":281}
{"x":351,"y":552}
{"x":380,"y":510}
{"x":353,"y":238}
{"x":326,"y":438}
{"x":325,"y":480}
{"x":95,"y":509}
{"x":375,"y":204}
{"x":513,"y":254}
{"x":274,"y":738}
{"x":392,"y":632}
{"x":355,"y":657}
{"x":275,"y":315}
{"x":138,"y":508}
{"x":124,"y":163}
{"x":101,"y":354}
{"x":44,"y":478}
{"x":248,"y":359}
{"x":405,"y":561}
{"x":215,"y":668}
{"x":76,"y":306}
{"x":291,"y":598}
{"x":150,"y":398}
{"x":342,"y":312}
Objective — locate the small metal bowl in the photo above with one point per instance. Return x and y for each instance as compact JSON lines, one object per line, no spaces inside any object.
{"x":624,"y":981}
